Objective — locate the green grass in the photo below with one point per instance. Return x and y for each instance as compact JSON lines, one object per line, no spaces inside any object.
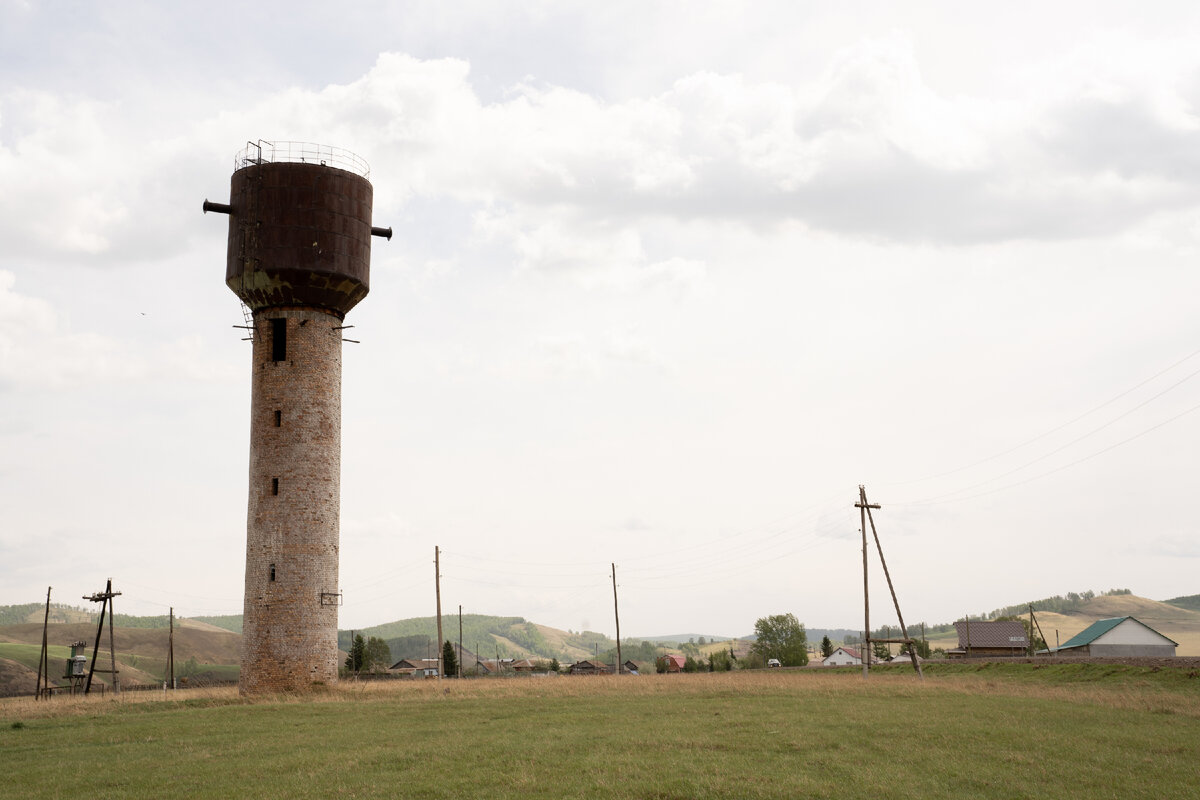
{"x":765,"y":735}
{"x":1060,"y":673}
{"x":28,"y":655}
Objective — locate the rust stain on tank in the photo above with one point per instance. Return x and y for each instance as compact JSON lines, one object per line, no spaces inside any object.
{"x":300,"y":235}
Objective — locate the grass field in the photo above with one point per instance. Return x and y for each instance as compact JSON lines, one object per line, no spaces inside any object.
{"x":979,"y":733}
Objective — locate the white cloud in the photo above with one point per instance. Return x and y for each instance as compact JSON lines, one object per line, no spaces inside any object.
{"x":868,"y":149}
{"x":37,"y":352}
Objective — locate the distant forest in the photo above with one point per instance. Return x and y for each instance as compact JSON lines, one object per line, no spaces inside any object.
{"x":1191,"y":602}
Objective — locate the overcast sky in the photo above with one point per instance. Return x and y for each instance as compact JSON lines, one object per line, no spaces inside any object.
{"x":668,"y":282}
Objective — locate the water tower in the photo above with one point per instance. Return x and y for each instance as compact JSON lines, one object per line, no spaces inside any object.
{"x":299,"y":257}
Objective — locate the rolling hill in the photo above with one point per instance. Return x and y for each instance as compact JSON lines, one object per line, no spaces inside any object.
{"x":489,"y":637}
{"x":1178,"y":623}
{"x":200,"y":651}
{"x":209,"y":646}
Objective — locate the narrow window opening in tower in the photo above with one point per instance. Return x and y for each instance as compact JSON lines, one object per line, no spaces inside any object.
{"x":274,"y":485}
{"x":278,"y":418}
{"x":272,"y":573}
{"x":279,"y":339}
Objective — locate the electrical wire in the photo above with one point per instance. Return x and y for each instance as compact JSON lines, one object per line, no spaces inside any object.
{"x":1039,"y":476}
{"x":1067,"y":424}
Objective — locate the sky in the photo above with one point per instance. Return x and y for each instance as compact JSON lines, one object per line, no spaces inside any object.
{"x":668,"y":282}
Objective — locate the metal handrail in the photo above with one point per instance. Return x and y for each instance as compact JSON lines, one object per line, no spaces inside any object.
{"x":264,"y":152}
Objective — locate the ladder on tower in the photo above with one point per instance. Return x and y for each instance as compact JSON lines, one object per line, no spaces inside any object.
{"x":248,"y":316}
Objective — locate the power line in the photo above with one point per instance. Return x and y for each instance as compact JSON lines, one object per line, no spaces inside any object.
{"x":942,"y":498}
{"x":1067,"y":424}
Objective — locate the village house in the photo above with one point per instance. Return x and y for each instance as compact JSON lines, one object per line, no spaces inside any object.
{"x":842,"y":657}
{"x":997,"y":639}
{"x":416,"y":667}
{"x":673,"y":663}
{"x":589,"y":667}
{"x":1118,"y":637}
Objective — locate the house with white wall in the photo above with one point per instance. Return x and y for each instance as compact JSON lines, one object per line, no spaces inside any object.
{"x":842,"y":657}
{"x":1118,"y":637}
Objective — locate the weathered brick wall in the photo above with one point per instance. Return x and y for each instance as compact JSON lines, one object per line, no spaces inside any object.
{"x":289,"y":637}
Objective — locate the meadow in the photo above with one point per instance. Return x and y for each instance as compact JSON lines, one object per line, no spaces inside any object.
{"x":1096,"y":731}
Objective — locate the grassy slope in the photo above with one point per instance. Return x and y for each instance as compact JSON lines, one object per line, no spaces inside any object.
{"x":565,"y":643}
{"x":1191,"y":602}
{"x":772,"y":734}
{"x":1179,"y":624}
{"x":210,"y":644}
{"x":141,"y":652}
{"x":514,"y":636}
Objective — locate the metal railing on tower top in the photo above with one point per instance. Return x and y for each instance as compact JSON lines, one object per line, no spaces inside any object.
{"x":264,"y":152}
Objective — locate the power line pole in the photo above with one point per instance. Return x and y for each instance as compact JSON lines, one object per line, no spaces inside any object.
{"x":459,"y":642}
{"x":903,"y":629}
{"x":617,"y":614}
{"x":105,"y":599}
{"x":44,"y":659}
{"x":437,"y":585}
{"x":171,"y":651}
{"x":861,"y":505}
{"x":1039,"y":630}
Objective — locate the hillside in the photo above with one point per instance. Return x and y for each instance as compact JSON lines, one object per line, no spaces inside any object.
{"x":209,"y":645}
{"x":1180,"y":624}
{"x":36,"y":612}
{"x":1190,"y":602}
{"x":506,"y":637}
{"x":141,"y":652}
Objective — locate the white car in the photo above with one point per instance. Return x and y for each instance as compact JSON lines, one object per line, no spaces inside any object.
{"x":773,"y":662}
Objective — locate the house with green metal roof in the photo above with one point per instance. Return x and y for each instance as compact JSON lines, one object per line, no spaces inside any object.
{"x":1118,"y":637}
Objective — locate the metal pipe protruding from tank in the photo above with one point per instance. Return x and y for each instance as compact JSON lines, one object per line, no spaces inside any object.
{"x":386,"y":233}
{"x":222,"y":208}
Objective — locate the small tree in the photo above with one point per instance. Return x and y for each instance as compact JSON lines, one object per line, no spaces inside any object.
{"x":781,"y":636}
{"x":691,"y":665}
{"x":826,"y":647}
{"x":376,"y":655}
{"x":720,"y":661}
{"x":449,"y":659}
{"x":189,"y":669}
{"x":554,"y":665}
{"x":358,"y":650}
{"x":880,"y":649}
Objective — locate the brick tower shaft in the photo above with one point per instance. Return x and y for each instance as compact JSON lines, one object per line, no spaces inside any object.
{"x":289,"y":628}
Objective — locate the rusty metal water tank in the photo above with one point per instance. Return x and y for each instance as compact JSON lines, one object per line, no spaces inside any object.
{"x":299,"y":227}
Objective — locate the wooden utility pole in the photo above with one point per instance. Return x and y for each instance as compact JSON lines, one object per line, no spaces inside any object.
{"x":171,"y":651}
{"x":617,"y":614}
{"x":866,"y":507}
{"x":861,"y":505}
{"x":1039,"y":630}
{"x":437,"y":586}
{"x":44,"y":659}
{"x":105,"y":599}
{"x":459,"y":642}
